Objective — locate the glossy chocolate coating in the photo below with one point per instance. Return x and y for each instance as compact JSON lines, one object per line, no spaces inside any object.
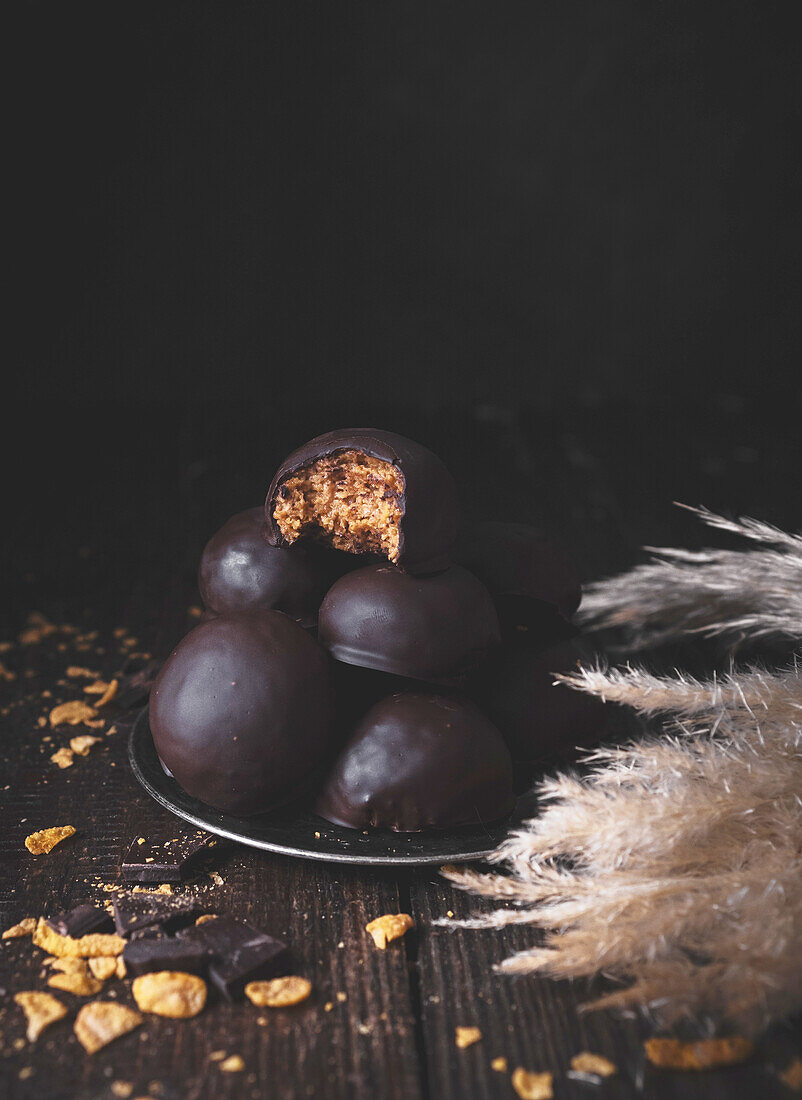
{"x":428,"y":628}
{"x":241,"y":711}
{"x":532,"y":580}
{"x":240,"y":570}
{"x":428,"y":528}
{"x":537,"y":718}
{"x":419,"y":761}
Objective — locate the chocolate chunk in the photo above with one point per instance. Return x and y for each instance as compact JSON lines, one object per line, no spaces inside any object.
{"x":241,"y":713}
{"x":153,"y":912}
{"x":240,"y":954}
{"x":80,"y":921}
{"x":141,"y":956}
{"x":164,"y":858}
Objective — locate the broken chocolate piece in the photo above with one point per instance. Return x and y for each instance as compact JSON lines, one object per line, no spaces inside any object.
{"x":240,"y":954}
{"x":147,"y":955}
{"x":153,"y":913}
{"x":80,"y":921}
{"x":164,"y":858}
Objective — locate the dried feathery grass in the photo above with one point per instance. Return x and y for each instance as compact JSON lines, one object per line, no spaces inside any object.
{"x":673,"y":864}
{"x":739,"y":594}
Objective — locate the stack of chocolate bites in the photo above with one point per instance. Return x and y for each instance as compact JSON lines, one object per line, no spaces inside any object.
{"x":362,"y":652}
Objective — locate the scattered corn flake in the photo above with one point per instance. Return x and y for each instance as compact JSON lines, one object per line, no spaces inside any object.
{"x":18,"y":1044}
{"x":92,"y":946}
{"x":76,"y":672}
{"x":38,"y":628}
{"x":216,"y":878}
{"x":111,"y":730}
{"x":466,"y":1036}
{"x":97,"y":687}
{"x":82,"y":984}
{"x":499,"y":1065}
{"x":122,"y":1089}
{"x":389,"y":927}
{"x":72,"y":713}
{"x":63,"y":757}
{"x":194,"y":611}
{"x":100,"y":1022}
{"x":791,"y":1076}
{"x":702,"y":1054}
{"x":121,"y":971}
{"x":278,"y":992}
{"x":84,"y":743}
{"x":6,"y":647}
{"x":109,"y":693}
{"x":597,"y":1064}
{"x":25,"y":1073}
{"x":41,"y":1010}
{"x":217,"y":1056}
{"x":163,"y":888}
{"x":532,"y":1086}
{"x":6,"y":673}
{"x":170,"y":993}
{"x":41,"y":722}
{"x":342,"y":997}
{"x":234,"y":1064}
{"x":204,"y":918}
{"x":328,"y":1006}
{"x":24,"y":928}
{"x":45,"y":840}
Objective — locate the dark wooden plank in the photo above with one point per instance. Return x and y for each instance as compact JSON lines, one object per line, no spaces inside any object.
{"x":362,"y":1046}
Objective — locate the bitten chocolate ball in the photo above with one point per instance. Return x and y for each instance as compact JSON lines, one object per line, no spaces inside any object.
{"x":433,"y":628}
{"x":240,"y":570}
{"x":538,"y":718}
{"x":241,"y":712}
{"x":366,"y":491}
{"x":533,"y":581}
{"x":419,"y":761}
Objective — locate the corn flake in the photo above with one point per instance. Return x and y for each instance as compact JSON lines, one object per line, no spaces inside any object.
{"x":596,"y":1064}
{"x":72,"y":713}
{"x":83,"y":744}
{"x":100,"y":1022}
{"x":532,"y":1086}
{"x":45,"y":840}
{"x":466,"y":1036}
{"x":24,"y":928}
{"x":389,"y":927}
{"x":702,"y":1054}
{"x":279,"y":992}
{"x":94,"y":945}
{"x":41,"y":1010}
{"x":63,"y":757}
{"x":170,"y":993}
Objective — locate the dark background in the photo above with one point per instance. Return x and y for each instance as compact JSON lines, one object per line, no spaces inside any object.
{"x":549,"y":238}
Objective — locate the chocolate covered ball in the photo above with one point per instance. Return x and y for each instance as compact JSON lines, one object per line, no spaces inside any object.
{"x":366,"y":491}
{"x":241,"y":712}
{"x":538,"y":718}
{"x":433,"y":628}
{"x":239,"y":570}
{"x":419,"y":761}
{"x":533,"y":581}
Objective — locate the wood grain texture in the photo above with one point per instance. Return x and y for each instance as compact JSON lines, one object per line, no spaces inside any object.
{"x":391,"y":1032}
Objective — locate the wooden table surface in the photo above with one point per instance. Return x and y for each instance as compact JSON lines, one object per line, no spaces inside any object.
{"x":105,"y":533}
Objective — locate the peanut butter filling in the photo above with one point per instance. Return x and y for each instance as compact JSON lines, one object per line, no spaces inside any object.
{"x":349,"y":501}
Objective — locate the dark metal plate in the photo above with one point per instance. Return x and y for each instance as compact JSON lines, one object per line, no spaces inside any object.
{"x":298,"y":832}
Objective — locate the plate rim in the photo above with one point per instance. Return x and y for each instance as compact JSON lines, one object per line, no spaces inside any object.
{"x":141,"y":726}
